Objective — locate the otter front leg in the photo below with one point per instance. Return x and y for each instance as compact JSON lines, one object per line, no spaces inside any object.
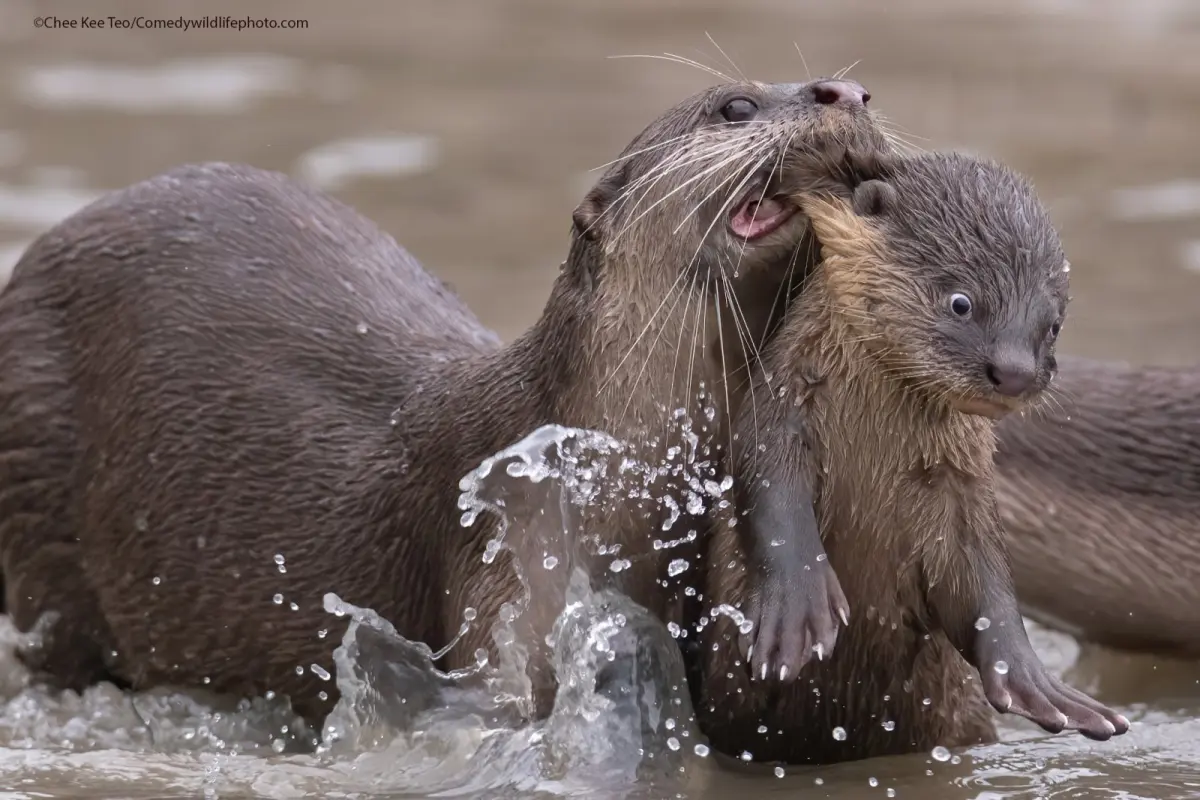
{"x":795,"y":598}
{"x":977,"y":607}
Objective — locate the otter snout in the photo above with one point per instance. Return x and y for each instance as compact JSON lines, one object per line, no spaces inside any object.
{"x":1011,"y":375}
{"x":839,"y":92}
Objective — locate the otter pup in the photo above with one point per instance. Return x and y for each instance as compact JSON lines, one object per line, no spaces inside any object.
{"x":223,"y":395}
{"x":934,"y":310}
{"x":1100,"y":497}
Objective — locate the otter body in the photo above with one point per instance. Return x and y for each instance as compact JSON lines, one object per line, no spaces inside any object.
{"x":1100,"y":496}
{"x":907,"y":337}
{"x":223,"y":395}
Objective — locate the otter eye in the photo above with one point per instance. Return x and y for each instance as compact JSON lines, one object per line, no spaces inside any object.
{"x":739,"y":110}
{"x":960,"y":304}
{"x":1054,"y":329}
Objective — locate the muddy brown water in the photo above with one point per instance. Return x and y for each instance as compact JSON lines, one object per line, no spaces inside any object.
{"x":467,"y":128}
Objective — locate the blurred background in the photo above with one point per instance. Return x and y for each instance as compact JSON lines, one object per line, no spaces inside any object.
{"x":468,"y":128}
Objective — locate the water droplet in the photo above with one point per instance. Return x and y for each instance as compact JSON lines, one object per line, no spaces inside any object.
{"x":982,"y":624}
{"x":747,"y":755}
{"x":676,"y":567}
{"x":1001,"y":667}
{"x":891,"y":792}
{"x":550,"y":562}
{"x":819,"y":781}
{"x":469,"y":614}
{"x":762,"y":729}
{"x":277,"y":599}
{"x":141,"y":522}
{"x":299,"y":670}
{"x":940,"y":753}
{"x":872,"y":782}
{"x":156,"y":580}
{"x":279,"y":559}
{"x":362,"y":329}
{"x":293,"y":606}
{"x":701,"y":750}
{"x":320,"y":672}
{"x":672,"y":743}
{"x":779,"y":772}
{"x":278,"y":745}
{"x":619,"y":565}
{"x":889,"y":725}
{"x":321,"y":634}
{"x":1066,"y":266}
{"x":674,"y":629}
{"x":926,"y":701}
{"x":839,"y":733}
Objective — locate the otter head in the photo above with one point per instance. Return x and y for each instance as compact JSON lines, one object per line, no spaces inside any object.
{"x":703,"y":193}
{"x":953,"y":273}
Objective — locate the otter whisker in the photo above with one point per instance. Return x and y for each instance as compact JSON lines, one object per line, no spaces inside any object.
{"x":749,"y":348}
{"x":698,"y":338}
{"x":807,"y":71}
{"x":684,"y":158}
{"x":680,"y":60}
{"x":678,"y":279}
{"x":684,"y":318}
{"x":698,"y":205}
{"x":675,"y":140}
{"x":724,"y":377}
{"x":671,"y":164}
{"x":653,"y":346}
{"x":739,"y":155}
{"x":644,"y":150}
{"x":721,"y":50}
{"x":703,"y":174}
{"x":841,"y":73}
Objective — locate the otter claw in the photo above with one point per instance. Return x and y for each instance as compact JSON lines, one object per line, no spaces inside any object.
{"x":793,"y":621}
{"x":1027,"y":690}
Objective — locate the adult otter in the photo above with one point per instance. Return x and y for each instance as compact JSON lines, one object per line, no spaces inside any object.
{"x":935,"y":307}
{"x":1100,"y":497}
{"x":223,"y":395}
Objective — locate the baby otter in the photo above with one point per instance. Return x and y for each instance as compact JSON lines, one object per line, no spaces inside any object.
{"x":933,"y":312}
{"x":218,"y":368}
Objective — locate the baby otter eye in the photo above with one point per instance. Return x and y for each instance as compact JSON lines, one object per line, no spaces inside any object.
{"x":739,"y":110}
{"x":960,"y":304}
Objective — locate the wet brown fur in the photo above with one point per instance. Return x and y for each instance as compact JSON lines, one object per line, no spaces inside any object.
{"x":1099,"y":491}
{"x":902,"y":482}
{"x":879,"y":670}
{"x":217,"y":365}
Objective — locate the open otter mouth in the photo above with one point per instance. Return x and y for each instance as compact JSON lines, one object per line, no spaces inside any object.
{"x":757,"y":215}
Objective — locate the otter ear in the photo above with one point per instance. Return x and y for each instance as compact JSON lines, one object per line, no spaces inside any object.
{"x":596,"y":203}
{"x":874,"y":198}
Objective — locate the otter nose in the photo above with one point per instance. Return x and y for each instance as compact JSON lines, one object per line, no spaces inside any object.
{"x":840,"y":92}
{"x":1010,"y":378}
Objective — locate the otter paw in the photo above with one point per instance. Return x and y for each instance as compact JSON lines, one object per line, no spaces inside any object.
{"x":796,"y":618}
{"x":1026,"y":689}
